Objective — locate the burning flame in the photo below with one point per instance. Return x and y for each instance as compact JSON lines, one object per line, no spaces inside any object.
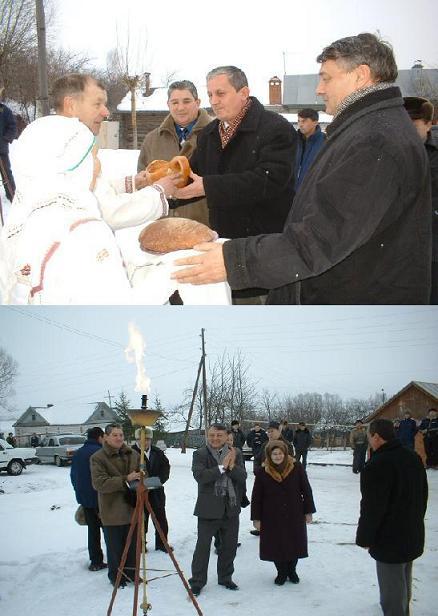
{"x":134,"y":353}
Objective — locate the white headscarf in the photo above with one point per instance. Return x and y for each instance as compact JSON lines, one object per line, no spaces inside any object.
{"x":53,"y":169}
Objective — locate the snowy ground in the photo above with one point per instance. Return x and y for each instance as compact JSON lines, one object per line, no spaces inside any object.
{"x":43,"y":562}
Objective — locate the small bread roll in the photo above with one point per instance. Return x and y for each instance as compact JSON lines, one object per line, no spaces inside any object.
{"x":159,"y":168}
{"x":169,"y":234}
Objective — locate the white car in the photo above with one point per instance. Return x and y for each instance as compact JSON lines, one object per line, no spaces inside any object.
{"x":59,"y":449}
{"x":14,"y":459}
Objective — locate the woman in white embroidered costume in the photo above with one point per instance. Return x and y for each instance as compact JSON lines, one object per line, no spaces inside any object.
{"x":57,"y":248}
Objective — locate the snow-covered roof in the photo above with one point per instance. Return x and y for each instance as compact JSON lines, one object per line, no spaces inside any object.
{"x":324,"y":118}
{"x":157,"y":101}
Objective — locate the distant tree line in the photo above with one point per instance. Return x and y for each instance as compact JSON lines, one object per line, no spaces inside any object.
{"x":232,"y":394}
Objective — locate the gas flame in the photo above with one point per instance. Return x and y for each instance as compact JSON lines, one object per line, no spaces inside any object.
{"x":134,"y":353}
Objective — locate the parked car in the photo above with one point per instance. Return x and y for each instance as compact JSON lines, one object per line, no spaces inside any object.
{"x":59,"y":449}
{"x":14,"y":459}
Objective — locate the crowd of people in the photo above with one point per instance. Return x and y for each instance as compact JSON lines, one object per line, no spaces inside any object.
{"x":282,"y":504}
{"x":303,"y":217}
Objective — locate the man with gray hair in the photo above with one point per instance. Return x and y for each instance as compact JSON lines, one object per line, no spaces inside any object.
{"x":221,"y":479}
{"x":244,"y":165}
{"x":177,"y":136}
{"x":359,"y":231}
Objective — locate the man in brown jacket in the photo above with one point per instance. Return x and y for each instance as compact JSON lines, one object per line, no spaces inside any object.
{"x":177,"y":136}
{"x":111,"y":467}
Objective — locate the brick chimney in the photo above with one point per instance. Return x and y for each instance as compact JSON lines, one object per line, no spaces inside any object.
{"x":275,"y":91}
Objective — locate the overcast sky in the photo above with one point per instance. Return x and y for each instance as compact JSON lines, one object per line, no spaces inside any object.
{"x":71,"y":356}
{"x":192,"y":37}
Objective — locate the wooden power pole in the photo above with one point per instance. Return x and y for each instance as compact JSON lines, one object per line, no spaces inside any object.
{"x":43,"y":108}
{"x":201,"y":366}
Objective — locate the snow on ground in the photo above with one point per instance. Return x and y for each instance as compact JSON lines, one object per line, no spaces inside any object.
{"x":44,"y":559}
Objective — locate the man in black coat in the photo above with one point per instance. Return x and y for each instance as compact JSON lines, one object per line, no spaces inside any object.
{"x":243,"y":164}
{"x":359,"y":230}
{"x":421,"y":111}
{"x":8,"y":132}
{"x":237,"y":434}
{"x":302,"y":441}
{"x":221,"y":479}
{"x":256,"y":439}
{"x":391,"y":524}
{"x":86,"y":495}
{"x":157,"y":465}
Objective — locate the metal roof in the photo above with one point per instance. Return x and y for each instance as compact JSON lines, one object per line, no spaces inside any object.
{"x":299,"y":90}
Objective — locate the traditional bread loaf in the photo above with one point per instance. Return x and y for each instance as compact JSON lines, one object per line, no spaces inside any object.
{"x":169,"y":234}
{"x":159,"y":168}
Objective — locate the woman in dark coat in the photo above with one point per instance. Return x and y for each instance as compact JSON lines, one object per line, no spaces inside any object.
{"x":281,"y":505}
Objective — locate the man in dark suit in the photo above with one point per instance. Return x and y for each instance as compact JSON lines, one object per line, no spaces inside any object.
{"x":391,"y":524}
{"x":157,"y":465}
{"x":221,"y":477}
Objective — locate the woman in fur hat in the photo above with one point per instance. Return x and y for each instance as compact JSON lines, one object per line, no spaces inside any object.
{"x":281,"y":505}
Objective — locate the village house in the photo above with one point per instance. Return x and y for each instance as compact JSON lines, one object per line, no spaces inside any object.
{"x":31,"y":421}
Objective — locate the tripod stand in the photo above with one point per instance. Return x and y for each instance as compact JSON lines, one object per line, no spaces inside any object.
{"x":137,"y":523}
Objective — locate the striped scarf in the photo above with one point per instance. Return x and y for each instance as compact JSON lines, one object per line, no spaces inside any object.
{"x":226,"y":133}
{"x":358,"y":94}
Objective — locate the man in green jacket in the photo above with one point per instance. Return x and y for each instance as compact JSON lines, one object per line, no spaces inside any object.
{"x":111,"y":468}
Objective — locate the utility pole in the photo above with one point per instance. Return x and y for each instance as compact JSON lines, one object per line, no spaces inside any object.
{"x":43,"y":108}
{"x":192,"y":404}
{"x":109,"y":399}
{"x":204,"y":384}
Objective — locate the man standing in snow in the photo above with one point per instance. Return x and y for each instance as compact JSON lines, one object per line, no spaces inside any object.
{"x":112,"y":467}
{"x":302,"y":441}
{"x":86,"y":495}
{"x":221,"y":478}
{"x":359,"y":445}
{"x":391,"y":524}
{"x":237,"y":434}
{"x":157,"y":465}
{"x":349,"y":235}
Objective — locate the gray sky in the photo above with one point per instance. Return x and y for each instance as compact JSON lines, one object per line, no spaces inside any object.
{"x":71,"y":356}
{"x":191,"y":38}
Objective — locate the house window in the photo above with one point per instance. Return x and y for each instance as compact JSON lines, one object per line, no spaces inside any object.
{"x":33,"y":416}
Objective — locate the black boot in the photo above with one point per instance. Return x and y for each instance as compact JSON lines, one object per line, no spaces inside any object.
{"x":282,"y":573}
{"x":291,"y":572}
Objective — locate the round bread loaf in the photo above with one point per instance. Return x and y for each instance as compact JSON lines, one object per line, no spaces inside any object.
{"x":169,"y":234}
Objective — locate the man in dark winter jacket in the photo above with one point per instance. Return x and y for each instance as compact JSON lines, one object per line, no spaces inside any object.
{"x":310,"y":141}
{"x":359,"y":445}
{"x":157,"y":465}
{"x":429,"y":429}
{"x":287,"y":431}
{"x":359,"y":230}
{"x":237,"y":434}
{"x":245,"y":164}
{"x":421,"y":111}
{"x":407,"y":429}
{"x":86,"y":495}
{"x":302,"y":441}
{"x":256,"y":439}
{"x":391,"y":524}
{"x":8,"y":132}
